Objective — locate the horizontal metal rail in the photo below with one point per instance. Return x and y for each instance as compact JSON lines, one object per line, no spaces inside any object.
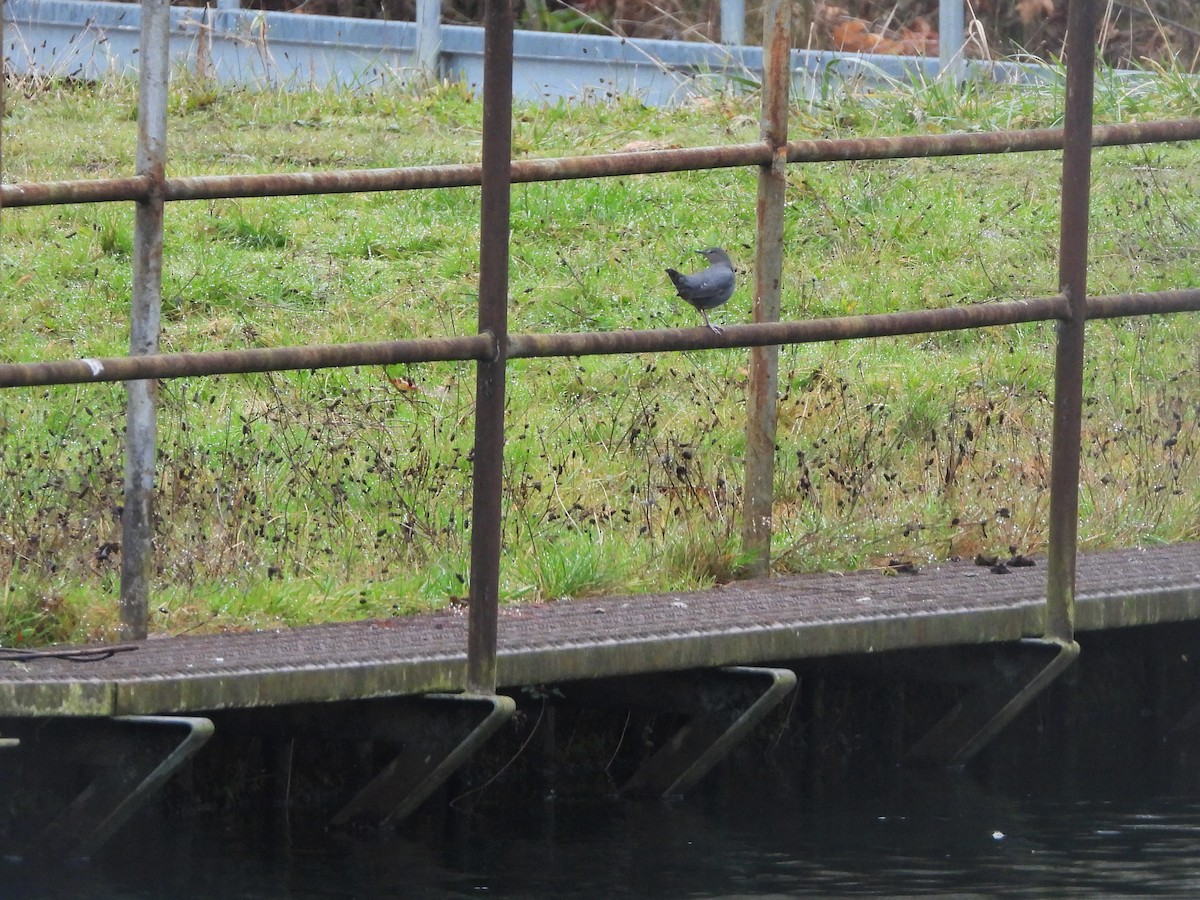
{"x":530,"y":346}
{"x":641,"y":162}
{"x":766,"y":334}
{"x":233,"y":362}
{"x":1115,"y":306}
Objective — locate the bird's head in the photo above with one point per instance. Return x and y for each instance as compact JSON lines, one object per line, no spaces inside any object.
{"x":716,"y":256}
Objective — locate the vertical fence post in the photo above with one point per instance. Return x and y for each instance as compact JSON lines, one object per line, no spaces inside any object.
{"x":486,"y":502}
{"x":951,"y":43}
{"x":768,"y":275}
{"x":137,"y":520}
{"x":429,"y":38}
{"x":733,"y":22}
{"x":1072,"y":274}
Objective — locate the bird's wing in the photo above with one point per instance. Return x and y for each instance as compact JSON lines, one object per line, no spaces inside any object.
{"x":711,"y":284}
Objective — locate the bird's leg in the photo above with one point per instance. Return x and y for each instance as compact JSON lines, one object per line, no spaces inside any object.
{"x":715,"y":329}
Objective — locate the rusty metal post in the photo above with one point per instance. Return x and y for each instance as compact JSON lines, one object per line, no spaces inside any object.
{"x":137,"y":520}
{"x":768,"y":275}
{"x":1068,"y":368}
{"x":486,"y":510}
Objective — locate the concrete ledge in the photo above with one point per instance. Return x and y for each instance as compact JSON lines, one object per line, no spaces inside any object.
{"x":745,"y":623}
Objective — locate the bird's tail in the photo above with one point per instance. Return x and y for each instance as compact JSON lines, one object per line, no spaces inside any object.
{"x":674,"y":276}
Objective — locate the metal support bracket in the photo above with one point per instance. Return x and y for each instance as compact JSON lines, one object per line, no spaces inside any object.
{"x":439,"y":732}
{"x":131,"y":757}
{"x":1018,"y":674}
{"x":723,"y":705}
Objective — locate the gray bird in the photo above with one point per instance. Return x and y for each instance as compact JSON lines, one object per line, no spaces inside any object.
{"x":709,"y":288}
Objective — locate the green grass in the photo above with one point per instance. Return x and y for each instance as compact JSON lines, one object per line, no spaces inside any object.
{"x":312,"y":496}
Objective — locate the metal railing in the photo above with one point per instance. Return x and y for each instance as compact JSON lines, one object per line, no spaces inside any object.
{"x":492,"y":347}
{"x":732,"y":31}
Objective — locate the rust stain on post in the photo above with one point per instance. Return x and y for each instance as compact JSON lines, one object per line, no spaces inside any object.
{"x":768,"y":275}
{"x":1068,"y":369}
{"x":487,"y":497}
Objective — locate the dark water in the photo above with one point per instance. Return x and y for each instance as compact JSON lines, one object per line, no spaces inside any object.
{"x":746,"y":838}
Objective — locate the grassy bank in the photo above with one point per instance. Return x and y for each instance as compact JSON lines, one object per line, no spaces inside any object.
{"x":337,"y":494}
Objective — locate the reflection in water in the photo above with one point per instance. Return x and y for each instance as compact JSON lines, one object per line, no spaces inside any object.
{"x":739,"y":839}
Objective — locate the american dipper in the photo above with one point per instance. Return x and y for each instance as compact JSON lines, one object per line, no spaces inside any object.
{"x":707,"y":289}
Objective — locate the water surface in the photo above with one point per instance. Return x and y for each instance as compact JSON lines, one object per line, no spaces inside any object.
{"x":745,"y":838}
